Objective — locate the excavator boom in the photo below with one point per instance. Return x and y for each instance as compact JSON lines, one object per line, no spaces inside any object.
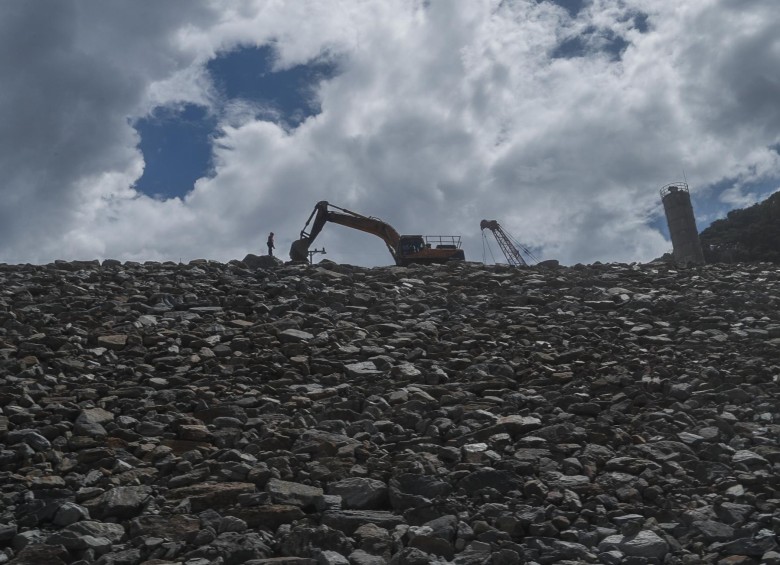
{"x":324,"y":212}
{"x":404,"y":249}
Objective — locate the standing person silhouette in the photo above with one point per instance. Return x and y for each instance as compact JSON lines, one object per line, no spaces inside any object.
{"x":271,"y":245}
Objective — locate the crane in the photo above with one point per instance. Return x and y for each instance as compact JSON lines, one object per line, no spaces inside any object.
{"x":509,"y":245}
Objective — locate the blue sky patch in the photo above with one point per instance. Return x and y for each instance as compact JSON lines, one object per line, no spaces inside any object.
{"x":177,"y":142}
{"x":570,"y":48}
{"x":247,"y":74}
{"x":590,"y":41}
{"x":640,"y":22}
{"x":571,"y":6}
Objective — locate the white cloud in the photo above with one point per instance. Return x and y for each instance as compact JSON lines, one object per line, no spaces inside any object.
{"x":443,"y":113}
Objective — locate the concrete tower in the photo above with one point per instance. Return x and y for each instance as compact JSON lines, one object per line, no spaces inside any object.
{"x":682,"y":224}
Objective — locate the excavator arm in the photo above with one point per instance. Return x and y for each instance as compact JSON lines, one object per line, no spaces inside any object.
{"x":324,"y":212}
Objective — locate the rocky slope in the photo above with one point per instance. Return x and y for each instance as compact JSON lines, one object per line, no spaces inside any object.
{"x":215,"y":413}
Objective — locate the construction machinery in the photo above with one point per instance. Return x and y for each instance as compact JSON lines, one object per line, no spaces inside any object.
{"x":405,"y":249}
{"x":509,"y":245}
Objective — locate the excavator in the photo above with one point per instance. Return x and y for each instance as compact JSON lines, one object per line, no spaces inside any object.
{"x":405,"y":249}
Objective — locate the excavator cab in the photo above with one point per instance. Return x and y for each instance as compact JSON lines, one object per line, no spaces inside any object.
{"x":409,"y":244}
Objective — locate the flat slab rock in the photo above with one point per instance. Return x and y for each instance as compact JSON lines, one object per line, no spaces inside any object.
{"x":211,"y":495}
{"x":296,"y":494}
{"x":348,"y":521}
{"x":644,"y":544}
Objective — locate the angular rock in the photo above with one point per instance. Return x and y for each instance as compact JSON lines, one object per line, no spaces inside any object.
{"x":348,"y":521}
{"x":211,"y":495}
{"x":269,"y":516}
{"x":361,"y":493}
{"x":645,"y":544}
{"x":411,"y":491}
{"x":502,"y":481}
{"x":119,"y":502}
{"x":296,"y":494}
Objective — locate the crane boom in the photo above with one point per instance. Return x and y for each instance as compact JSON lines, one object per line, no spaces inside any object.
{"x":511,"y":253}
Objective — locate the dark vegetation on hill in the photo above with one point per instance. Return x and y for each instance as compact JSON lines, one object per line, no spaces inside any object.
{"x":749,"y":234}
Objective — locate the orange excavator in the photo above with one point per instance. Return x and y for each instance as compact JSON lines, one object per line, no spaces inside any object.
{"x":405,"y":249}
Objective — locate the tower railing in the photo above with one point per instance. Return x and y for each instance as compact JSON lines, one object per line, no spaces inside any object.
{"x":674,"y":187}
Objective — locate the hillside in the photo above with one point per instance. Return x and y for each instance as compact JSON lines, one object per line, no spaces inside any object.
{"x":750,"y":234}
{"x":210,"y":413}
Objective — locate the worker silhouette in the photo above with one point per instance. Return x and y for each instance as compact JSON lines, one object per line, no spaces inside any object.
{"x":271,"y":245}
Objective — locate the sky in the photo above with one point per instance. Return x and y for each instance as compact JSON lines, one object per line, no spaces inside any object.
{"x":190,"y":129}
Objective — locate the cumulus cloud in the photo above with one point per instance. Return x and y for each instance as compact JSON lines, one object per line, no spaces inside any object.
{"x":72,"y":75}
{"x":442,"y":113}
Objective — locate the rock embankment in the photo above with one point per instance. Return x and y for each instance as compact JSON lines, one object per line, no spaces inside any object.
{"x":213,"y":413}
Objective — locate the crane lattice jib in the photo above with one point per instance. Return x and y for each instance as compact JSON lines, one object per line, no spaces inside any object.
{"x":511,"y":253}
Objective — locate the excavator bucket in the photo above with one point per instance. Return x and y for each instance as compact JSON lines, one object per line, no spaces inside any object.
{"x":299,"y":250}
